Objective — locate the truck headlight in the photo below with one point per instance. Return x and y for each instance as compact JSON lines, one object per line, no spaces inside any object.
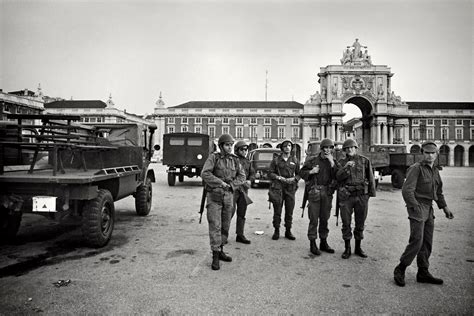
{"x":199,"y":156}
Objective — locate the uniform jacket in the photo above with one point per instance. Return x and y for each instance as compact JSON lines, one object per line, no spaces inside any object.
{"x":222,"y":168}
{"x":286,"y":169}
{"x":423,"y":185}
{"x":360,"y":174}
{"x":326,"y":175}
{"x":248,"y":169}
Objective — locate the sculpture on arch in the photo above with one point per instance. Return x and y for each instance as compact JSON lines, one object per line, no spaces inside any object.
{"x":354,"y":56}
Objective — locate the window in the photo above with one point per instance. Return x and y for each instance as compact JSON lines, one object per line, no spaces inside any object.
{"x":314,"y":133}
{"x":444,"y":133}
{"x":239,"y":120}
{"x":198,"y":120}
{"x":253,"y":131}
{"x":239,"y":132}
{"x":194,"y":141}
{"x":93,"y":120}
{"x":444,"y":122}
{"x":281,"y":120}
{"x":170,"y":129}
{"x":472,"y":133}
{"x":212,"y":131}
{"x":458,"y":122}
{"x":170,"y":120}
{"x":296,"y":132}
{"x":212,"y":120}
{"x":253,"y":120}
{"x":415,"y":122}
{"x":225,"y":129}
{"x":184,"y":128}
{"x":415,"y":133}
{"x":472,"y":122}
{"x":429,"y":122}
{"x":184,"y":120}
{"x":429,"y":133}
{"x":225,"y":120}
{"x":266,"y":132}
{"x":176,"y":141}
{"x":266,"y":120}
{"x":198,"y":129}
{"x":281,"y":132}
{"x":458,"y":133}
{"x":296,"y":120}
{"x":6,"y":108}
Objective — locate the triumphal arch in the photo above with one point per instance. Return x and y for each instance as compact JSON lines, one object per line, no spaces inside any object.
{"x":357,"y":81}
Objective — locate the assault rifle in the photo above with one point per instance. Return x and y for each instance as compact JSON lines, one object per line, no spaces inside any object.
{"x":305,"y":200}
{"x":203,"y":202}
{"x":337,"y":208}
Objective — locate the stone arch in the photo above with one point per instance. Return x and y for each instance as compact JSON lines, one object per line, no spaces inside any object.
{"x":363,"y":103}
{"x":267,"y":145}
{"x":367,"y":109}
{"x":458,"y":156}
{"x":252,"y":146}
{"x":444,"y":149}
{"x":471,"y":156}
{"x":415,"y":149}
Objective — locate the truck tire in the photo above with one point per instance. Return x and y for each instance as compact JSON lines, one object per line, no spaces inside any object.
{"x":181,"y":177}
{"x":143,"y":198}
{"x":98,"y":218}
{"x":398,"y":178}
{"x":171,"y":179}
{"x":9,"y":225}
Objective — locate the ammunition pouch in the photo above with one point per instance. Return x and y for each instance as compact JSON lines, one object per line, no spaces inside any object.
{"x":275,"y":193}
{"x":314,"y":193}
{"x":343,"y":193}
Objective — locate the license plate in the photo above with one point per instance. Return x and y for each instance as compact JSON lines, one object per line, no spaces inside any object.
{"x":44,"y":204}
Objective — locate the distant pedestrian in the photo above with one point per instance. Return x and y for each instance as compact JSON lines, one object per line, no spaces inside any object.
{"x":241,"y":149}
{"x":222,"y":174}
{"x":422,"y":186}
{"x":319,"y":172}
{"x":284,"y":172}
{"x":356,"y":184}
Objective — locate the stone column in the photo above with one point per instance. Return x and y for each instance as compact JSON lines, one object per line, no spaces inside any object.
{"x":451,"y":155}
{"x":466,"y":157}
{"x":323,"y":134}
{"x":384,"y":134}
{"x":379,"y":133}
{"x":390,"y":134}
{"x":406,"y":135}
{"x":333,"y":131}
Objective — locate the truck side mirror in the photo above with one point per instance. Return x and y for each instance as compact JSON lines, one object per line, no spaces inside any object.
{"x":156,"y":147}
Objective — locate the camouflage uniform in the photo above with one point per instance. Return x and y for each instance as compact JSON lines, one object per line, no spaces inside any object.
{"x":360,"y":185}
{"x":219,"y":169}
{"x":286,"y":169}
{"x":240,"y":199}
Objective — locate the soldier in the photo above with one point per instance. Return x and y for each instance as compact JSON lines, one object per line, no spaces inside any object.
{"x":356,"y":185}
{"x":241,"y":199}
{"x":284,"y":172}
{"x":319,"y":172}
{"x":423,"y":185}
{"x":222,"y":174}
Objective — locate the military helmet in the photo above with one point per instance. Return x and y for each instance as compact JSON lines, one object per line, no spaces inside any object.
{"x":326,"y":143}
{"x":349,"y":143}
{"x":240,"y":143}
{"x":286,"y":141}
{"x":225,"y":138}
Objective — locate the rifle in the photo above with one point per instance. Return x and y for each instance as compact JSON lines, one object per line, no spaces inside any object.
{"x":305,"y":200}
{"x":337,"y":208}
{"x":203,"y":202}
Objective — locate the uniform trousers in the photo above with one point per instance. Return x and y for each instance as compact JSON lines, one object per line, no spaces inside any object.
{"x":357,"y":204}
{"x":220,"y":207}
{"x":289,"y":201}
{"x":319,"y":213}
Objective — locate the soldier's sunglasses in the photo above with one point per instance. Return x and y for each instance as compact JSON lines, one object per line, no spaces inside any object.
{"x":243,"y":149}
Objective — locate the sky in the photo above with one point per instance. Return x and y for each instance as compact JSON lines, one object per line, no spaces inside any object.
{"x":220,"y":50}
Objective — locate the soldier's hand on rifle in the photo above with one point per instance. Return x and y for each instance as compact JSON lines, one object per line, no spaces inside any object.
{"x":448,"y":213}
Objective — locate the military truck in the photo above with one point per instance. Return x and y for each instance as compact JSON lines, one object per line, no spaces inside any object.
{"x":261,"y":159}
{"x":185,"y":154}
{"x":63,"y":170}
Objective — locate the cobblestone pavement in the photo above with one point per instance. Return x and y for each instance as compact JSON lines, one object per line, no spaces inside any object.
{"x":160,"y":264}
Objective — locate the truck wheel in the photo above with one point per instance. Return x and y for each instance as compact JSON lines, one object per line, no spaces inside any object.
{"x":143,"y":198}
{"x":171,"y":179}
{"x":9,"y":225}
{"x":398,"y":178}
{"x":98,"y":219}
{"x":181,"y":177}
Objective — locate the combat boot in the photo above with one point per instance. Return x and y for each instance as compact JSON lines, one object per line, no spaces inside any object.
{"x":323,"y":245}
{"x":215,"y":260}
{"x":276,"y":234}
{"x":242,"y":239}
{"x":399,"y":275}
{"x":289,"y":235}
{"x":223,"y":256}
{"x":314,"y":248}
{"x":347,"y":252}
{"x":424,"y":276}
{"x":358,"y":250}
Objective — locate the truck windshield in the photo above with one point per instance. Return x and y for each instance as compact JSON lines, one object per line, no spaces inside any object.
{"x":176,"y":141}
{"x":195,"y":141}
{"x":265,"y":156}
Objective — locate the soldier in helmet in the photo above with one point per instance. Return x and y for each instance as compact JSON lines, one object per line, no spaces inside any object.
{"x":422,"y":186}
{"x":319,"y":172}
{"x":356,"y":185}
{"x":284,"y":172}
{"x":241,"y":149}
{"x":222,"y":174}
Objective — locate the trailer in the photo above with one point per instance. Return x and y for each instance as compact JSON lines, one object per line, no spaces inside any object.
{"x":58,"y":168}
